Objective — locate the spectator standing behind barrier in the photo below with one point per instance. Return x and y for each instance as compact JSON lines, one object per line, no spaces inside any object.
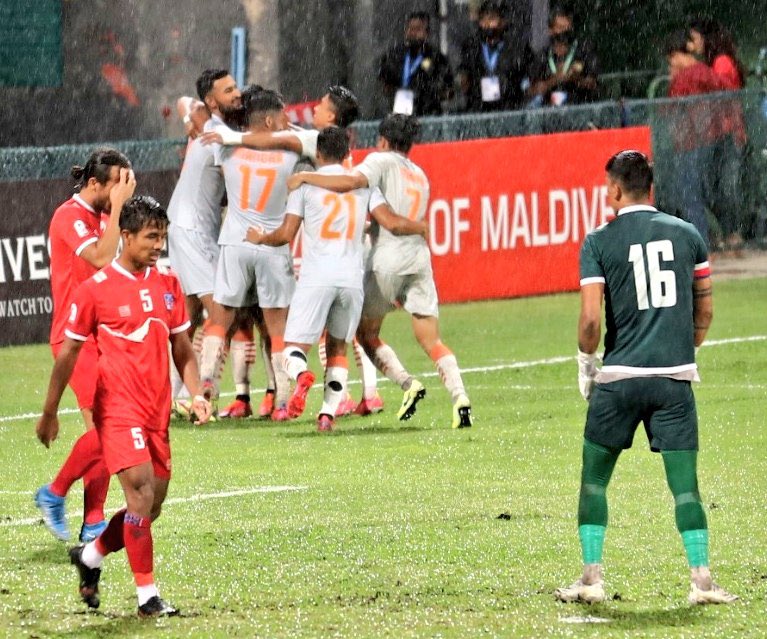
{"x":714,"y":44}
{"x":566,"y":71}
{"x":416,"y":77}
{"x":694,"y":127}
{"x":494,"y":63}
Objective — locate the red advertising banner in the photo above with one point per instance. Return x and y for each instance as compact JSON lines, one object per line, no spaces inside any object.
{"x":508,"y":215}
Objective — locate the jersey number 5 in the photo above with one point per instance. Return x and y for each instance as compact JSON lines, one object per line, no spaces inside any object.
{"x":662,"y":282}
{"x":337,"y":204}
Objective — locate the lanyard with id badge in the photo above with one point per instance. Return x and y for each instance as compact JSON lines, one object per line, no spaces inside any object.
{"x":404,"y":99}
{"x":559,"y":97}
{"x":490,"y":84}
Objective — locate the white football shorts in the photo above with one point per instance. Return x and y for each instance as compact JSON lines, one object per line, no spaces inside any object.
{"x":193,"y":256}
{"x":246,"y":276}
{"x":415,"y":292}
{"x":315,"y":307}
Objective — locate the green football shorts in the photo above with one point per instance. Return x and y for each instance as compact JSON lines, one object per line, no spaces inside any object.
{"x":665,"y":406}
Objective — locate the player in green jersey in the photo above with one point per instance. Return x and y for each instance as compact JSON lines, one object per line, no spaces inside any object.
{"x":652,"y":272}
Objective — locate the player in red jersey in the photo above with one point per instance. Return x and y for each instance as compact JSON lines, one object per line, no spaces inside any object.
{"x":80,"y":244}
{"x":131,"y":309}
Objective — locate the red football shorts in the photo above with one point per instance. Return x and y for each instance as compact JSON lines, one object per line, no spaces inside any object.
{"x":127,"y":446}
{"x":85,"y":374}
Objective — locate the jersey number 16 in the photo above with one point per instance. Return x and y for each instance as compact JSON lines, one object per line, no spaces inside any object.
{"x":662,"y":282}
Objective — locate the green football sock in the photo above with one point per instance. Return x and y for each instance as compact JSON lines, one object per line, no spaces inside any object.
{"x":598,"y":465}
{"x":696,"y":547}
{"x":592,"y":542}
{"x":682,"y":478}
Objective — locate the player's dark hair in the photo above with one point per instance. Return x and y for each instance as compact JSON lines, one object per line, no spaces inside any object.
{"x":560,"y":11}
{"x":256,"y":99}
{"x":423,"y":16}
{"x":141,"y":211}
{"x":345,"y":105}
{"x":207,"y":78}
{"x":676,"y":42}
{"x":400,"y":131}
{"x":498,"y":7}
{"x":333,"y":143}
{"x":632,"y":170}
{"x":99,"y":166}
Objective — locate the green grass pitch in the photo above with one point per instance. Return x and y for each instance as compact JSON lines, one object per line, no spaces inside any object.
{"x":413,"y":529}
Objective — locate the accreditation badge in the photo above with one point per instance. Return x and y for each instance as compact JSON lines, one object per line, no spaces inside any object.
{"x":491,"y":88}
{"x":404,"y":101}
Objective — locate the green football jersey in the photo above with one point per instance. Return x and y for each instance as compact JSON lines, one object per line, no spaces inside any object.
{"x":647,"y":261}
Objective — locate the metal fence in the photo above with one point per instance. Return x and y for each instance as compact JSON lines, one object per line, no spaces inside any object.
{"x":676,"y":124}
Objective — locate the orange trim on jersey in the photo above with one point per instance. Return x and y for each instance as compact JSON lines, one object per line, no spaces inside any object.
{"x":243,"y":335}
{"x":143,"y":578}
{"x":215,"y":330}
{"x":438,"y":351}
{"x":278,"y":343}
{"x":339,"y":361}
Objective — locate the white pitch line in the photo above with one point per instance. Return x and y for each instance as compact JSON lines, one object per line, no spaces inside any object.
{"x":476,"y":369}
{"x":26,"y":521}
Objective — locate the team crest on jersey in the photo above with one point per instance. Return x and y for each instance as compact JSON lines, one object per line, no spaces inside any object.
{"x":124,"y":311}
{"x":170,"y":301}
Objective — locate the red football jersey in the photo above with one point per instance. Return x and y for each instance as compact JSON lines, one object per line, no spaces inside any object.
{"x":74,"y":226}
{"x":132,"y":317}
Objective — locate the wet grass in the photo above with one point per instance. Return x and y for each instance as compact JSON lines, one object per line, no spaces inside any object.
{"x":415,"y":530}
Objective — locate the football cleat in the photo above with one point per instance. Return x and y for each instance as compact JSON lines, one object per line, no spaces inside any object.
{"x":156,"y":607}
{"x":580,"y":592}
{"x":297,"y":402}
{"x":89,"y":578}
{"x":89,"y":532}
{"x":412,"y":396}
{"x":280,"y":414}
{"x":369,"y":406}
{"x":238,"y":409}
{"x":52,"y":509}
{"x":324,"y":423}
{"x":346,"y":407}
{"x":462,"y":412}
{"x":181,"y":409}
{"x":266,"y":407}
{"x":714,"y":595}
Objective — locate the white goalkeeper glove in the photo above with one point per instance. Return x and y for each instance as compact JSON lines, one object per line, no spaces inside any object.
{"x":587,"y":371}
{"x":229,"y":137}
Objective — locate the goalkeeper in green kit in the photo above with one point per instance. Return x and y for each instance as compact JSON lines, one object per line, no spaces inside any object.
{"x":652,"y":271}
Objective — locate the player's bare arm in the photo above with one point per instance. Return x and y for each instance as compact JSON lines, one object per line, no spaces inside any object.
{"x":47,"y":428}
{"x":283,"y":235}
{"x":703,"y":308}
{"x":103,"y":251}
{"x":258,"y":140}
{"x":193,"y":113}
{"x":337,"y":183}
{"x":397,"y":224}
{"x":186,"y":363}
{"x":590,"y":320}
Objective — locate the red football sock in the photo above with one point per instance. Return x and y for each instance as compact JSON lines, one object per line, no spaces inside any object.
{"x":137,"y":533}
{"x":111,"y":540}
{"x":85,"y":453}
{"x":96,"y":482}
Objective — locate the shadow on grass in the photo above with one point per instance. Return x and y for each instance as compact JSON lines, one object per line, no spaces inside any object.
{"x":682,"y":616}
{"x":56,"y":553}
{"x":127,"y":624}
{"x":355,"y":432}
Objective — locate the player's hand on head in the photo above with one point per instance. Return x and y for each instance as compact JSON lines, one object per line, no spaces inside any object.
{"x":123,"y":190}
{"x":202,"y":409}
{"x":47,"y":429}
